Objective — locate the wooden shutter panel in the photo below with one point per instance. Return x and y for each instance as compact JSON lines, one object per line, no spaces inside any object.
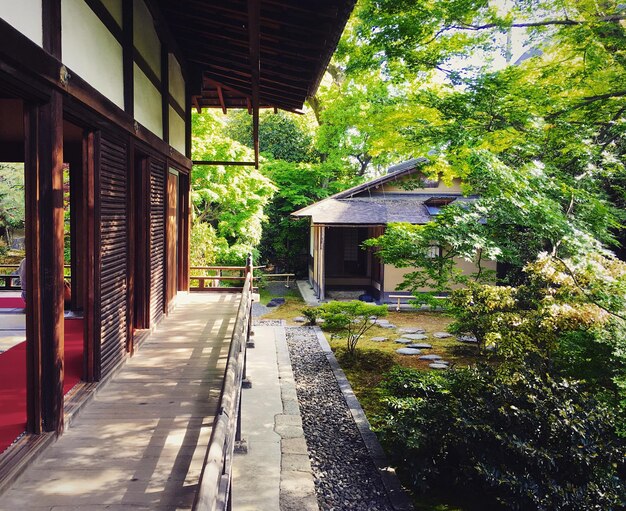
{"x":157,"y":240}
{"x":113,"y":254}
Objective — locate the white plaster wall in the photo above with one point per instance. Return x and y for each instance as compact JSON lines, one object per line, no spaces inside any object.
{"x":25,"y":16}
{"x":148,"y":107}
{"x":115,"y":8}
{"x":177,"y":82}
{"x":146,"y":38}
{"x":177,"y":131}
{"x":91,"y":51}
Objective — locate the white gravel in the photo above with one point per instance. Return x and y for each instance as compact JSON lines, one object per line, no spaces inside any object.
{"x":345,"y":475}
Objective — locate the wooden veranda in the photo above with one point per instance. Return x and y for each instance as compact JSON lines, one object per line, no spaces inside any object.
{"x":143,"y":439}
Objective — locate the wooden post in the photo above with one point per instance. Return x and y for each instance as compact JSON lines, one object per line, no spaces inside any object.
{"x":91,"y":150}
{"x":45,"y":266}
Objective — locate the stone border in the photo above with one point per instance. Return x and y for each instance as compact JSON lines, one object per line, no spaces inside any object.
{"x":297,"y":487}
{"x":397,"y":496}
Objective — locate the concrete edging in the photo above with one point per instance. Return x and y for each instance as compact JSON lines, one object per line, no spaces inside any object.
{"x":397,"y":496}
{"x":297,"y":486}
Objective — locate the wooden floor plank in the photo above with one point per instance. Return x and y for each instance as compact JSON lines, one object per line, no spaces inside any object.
{"x":140,"y":443}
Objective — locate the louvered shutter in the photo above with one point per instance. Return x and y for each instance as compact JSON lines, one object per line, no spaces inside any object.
{"x":157,"y":240}
{"x":113,"y":254}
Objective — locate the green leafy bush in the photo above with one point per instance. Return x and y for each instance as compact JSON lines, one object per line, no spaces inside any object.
{"x":350,"y":319}
{"x":511,"y":441}
{"x":312,"y":314}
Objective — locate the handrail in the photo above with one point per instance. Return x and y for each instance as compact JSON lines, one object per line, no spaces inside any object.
{"x":215,"y":479}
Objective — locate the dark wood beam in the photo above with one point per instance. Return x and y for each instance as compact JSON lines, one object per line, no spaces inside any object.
{"x":218,"y":162}
{"x":165,"y":92}
{"x":34,"y":421}
{"x":221,"y":98}
{"x":254,"y":16}
{"x":128,"y":49}
{"x":51,"y":14}
{"x":51,"y":231}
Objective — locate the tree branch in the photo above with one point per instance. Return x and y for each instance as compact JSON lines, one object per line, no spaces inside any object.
{"x":586,"y":294}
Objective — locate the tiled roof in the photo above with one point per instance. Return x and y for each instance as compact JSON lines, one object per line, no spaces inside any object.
{"x":369,"y":211}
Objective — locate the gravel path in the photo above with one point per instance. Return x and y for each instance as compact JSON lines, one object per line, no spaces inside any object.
{"x":345,"y":476}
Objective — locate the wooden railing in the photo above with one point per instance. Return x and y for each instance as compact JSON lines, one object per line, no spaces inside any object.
{"x":214,"y":488}
{"x":220,"y":274}
{"x":9,"y":281}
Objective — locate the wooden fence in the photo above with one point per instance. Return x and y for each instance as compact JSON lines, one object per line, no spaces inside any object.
{"x":214,"y":488}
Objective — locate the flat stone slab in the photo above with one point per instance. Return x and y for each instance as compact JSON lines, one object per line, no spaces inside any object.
{"x":430,"y":357}
{"x":467,"y":338}
{"x":411,"y":330}
{"x":386,"y":325}
{"x":379,"y":339}
{"x":380,"y":321}
{"x":404,"y":341}
{"x":408,"y":351}
{"x":442,"y":335}
{"x":416,"y":337}
{"x":420,"y":346}
{"x":300,"y":319}
{"x":438,"y":365}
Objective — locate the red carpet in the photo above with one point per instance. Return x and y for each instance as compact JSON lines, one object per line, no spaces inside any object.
{"x":12,"y":303}
{"x":13,"y":380}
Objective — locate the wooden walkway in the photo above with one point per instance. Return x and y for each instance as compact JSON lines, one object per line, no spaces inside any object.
{"x":141,"y":442}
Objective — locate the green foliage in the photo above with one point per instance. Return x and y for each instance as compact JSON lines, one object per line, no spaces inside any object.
{"x":432,"y":250}
{"x":11,"y":198}
{"x":312,"y":314}
{"x":350,"y":319}
{"x":228,"y":198}
{"x":517,"y":441}
{"x":282,"y":136}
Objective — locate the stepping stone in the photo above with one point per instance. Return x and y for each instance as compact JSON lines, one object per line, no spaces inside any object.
{"x":467,"y":338}
{"x":411,"y":330}
{"x":416,"y":337}
{"x":438,"y":365}
{"x":408,"y":351}
{"x":386,"y":325}
{"x":379,"y":339}
{"x":300,"y":319}
{"x":430,"y":357}
{"x":404,"y":341}
{"x":442,"y":335}
{"x":420,"y":346}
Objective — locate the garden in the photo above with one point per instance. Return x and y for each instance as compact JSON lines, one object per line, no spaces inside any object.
{"x":524,"y":103}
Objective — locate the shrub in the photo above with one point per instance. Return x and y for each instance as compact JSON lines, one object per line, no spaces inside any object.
{"x":514,"y":441}
{"x":312,"y":314}
{"x":350,"y":319}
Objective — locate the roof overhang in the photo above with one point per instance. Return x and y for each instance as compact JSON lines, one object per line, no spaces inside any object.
{"x":294,"y":41}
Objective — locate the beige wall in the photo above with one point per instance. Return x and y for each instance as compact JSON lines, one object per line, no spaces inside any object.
{"x":91,"y":51}
{"x":394,"y":276}
{"x":176,"y":80}
{"x":148,"y":106}
{"x":146,"y":39}
{"x":24,"y":16}
{"x":177,"y":131}
{"x":115,"y":9}
{"x":455,"y":187}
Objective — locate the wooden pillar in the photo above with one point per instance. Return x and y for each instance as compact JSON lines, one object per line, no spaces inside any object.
{"x":44,"y":225}
{"x":185,"y":231}
{"x":91,"y":149}
{"x":322,"y":256}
